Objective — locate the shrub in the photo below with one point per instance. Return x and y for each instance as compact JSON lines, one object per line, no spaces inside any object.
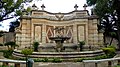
{"x":92,"y":58}
{"x":117,"y":66}
{"x":38,"y":60}
{"x":79,"y":59}
{"x":109,"y":51}
{"x":111,"y":46}
{"x":7,"y":53}
{"x":6,"y":66}
{"x":81,"y":43}
{"x":11,"y":45}
{"x":27,"y":51}
{"x":35,"y":45}
{"x":1,"y":44}
{"x":100,"y":57}
{"x":45,"y":60}
{"x":56,"y":60}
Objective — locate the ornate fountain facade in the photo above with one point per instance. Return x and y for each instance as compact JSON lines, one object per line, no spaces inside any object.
{"x":38,"y":25}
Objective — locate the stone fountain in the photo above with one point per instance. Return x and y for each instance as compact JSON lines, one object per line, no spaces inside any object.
{"x":59,"y":39}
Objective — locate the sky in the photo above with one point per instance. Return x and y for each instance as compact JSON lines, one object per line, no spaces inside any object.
{"x":54,"y":6}
{"x":63,"y":6}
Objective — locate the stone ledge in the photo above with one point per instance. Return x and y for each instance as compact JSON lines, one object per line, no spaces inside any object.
{"x":69,"y":55}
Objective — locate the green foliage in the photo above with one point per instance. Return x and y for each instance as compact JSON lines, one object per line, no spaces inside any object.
{"x":1,"y":44}
{"x":56,"y":60}
{"x":6,"y":66}
{"x":27,"y":51}
{"x":38,"y":60}
{"x":112,"y":46}
{"x":35,"y":45}
{"x":108,"y":12}
{"x":10,"y":9}
{"x":79,"y":59}
{"x":1,"y":33}
{"x":93,"y":58}
{"x":10,"y":45}
{"x":45,"y":60}
{"x":117,"y":66}
{"x":81,"y":43}
{"x":100,"y":57}
{"x":109,"y":51}
{"x":101,"y":7}
{"x":91,"y":2}
{"x":28,"y":9}
{"x":7,"y":53}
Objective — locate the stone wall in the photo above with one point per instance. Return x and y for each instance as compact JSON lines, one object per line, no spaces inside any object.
{"x":39,"y":25}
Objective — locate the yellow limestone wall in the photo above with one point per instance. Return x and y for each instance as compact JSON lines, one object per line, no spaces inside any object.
{"x":39,"y":25}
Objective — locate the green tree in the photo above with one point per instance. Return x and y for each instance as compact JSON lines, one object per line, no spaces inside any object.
{"x":27,"y":52}
{"x":10,"y":45}
{"x":109,"y":8}
{"x":11,"y":9}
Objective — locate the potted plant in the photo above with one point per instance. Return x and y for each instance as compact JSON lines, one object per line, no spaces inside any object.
{"x":35,"y":45}
{"x":81,"y":43}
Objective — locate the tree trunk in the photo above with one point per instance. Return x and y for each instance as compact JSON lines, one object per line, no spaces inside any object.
{"x":111,"y":41}
{"x":104,"y":38}
{"x":117,"y":2}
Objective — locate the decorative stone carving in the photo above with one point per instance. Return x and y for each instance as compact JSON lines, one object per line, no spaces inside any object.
{"x":85,"y":6}
{"x":43,"y":6}
{"x":76,"y":6}
{"x":59,"y":16}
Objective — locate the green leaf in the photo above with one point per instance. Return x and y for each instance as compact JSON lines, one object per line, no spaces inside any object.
{"x":4,"y":0}
{"x":28,"y":9}
{"x":18,"y":12}
{"x":27,"y":51}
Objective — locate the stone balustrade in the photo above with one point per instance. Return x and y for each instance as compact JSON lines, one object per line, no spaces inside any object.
{"x":16,"y":62}
{"x":106,"y":62}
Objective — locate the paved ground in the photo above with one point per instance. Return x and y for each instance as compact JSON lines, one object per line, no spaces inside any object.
{"x":63,"y":64}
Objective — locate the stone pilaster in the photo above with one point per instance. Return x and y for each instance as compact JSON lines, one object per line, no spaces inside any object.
{"x":100,"y":38}
{"x":95,"y":42}
{"x":75,"y":40}
{"x":25,"y":33}
{"x":44,"y":34}
{"x":90,"y":33}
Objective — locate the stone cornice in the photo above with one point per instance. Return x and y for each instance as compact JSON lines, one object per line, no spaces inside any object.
{"x":61,"y":13}
{"x":52,"y":18}
{"x":77,"y":14}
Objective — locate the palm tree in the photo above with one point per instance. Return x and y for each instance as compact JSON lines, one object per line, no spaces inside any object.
{"x":107,"y":25}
